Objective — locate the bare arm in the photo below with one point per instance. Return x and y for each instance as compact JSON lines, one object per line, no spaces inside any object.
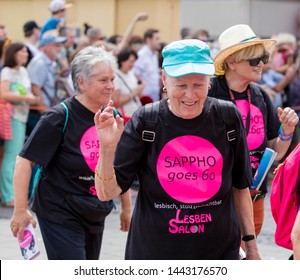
{"x":139,"y":17}
{"x":9,"y":96}
{"x":125,"y":215}
{"x":109,"y":130}
{"x":295,"y":237}
{"x":286,"y":80}
{"x":21,"y":215}
{"x":37,"y":91}
{"x":105,"y":179}
{"x":243,"y":205}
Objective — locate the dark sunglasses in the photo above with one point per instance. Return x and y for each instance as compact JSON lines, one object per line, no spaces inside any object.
{"x":256,"y":61}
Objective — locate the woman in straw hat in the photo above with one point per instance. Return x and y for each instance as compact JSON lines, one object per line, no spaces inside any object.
{"x":187,"y":167}
{"x":238,"y":64}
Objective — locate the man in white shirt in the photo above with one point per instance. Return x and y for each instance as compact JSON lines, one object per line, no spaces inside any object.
{"x":42,"y":71}
{"x":146,"y":67}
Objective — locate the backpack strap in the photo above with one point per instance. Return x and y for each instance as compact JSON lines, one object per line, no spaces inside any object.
{"x":37,"y":169}
{"x":228,"y":118}
{"x":67,"y":116}
{"x":151,"y":119}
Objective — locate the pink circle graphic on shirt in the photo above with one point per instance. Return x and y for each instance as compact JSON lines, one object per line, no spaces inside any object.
{"x":90,"y":147}
{"x":189,"y":169}
{"x":256,"y":133}
{"x":26,"y":239}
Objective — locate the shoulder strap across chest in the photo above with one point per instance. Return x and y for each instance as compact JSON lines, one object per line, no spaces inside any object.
{"x":151,"y":119}
{"x":228,"y":118}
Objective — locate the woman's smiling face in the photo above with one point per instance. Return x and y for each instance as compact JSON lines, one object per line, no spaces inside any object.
{"x":186,"y":94}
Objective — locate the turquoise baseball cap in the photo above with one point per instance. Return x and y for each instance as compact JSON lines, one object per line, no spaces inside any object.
{"x":190,"y":56}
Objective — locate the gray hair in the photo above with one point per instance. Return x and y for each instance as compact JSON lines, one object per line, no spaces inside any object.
{"x":83,"y":64}
{"x":93,"y":34}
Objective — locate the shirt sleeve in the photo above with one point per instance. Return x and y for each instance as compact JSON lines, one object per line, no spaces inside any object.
{"x":131,"y":143}
{"x":37,"y":73}
{"x":6,"y":74}
{"x":273,"y":122}
{"x":138,"y":67}
{"x":117,"y":83}
{"x":46,"y":137}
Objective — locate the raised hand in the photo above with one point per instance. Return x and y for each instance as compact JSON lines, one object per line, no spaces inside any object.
{"x":109,"y":128}
{"x":288,"y":118}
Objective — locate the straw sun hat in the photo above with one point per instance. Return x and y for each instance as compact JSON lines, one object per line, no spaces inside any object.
{"x":235,"y":38}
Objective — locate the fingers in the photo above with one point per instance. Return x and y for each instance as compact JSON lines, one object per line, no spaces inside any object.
{"x":14,"y":229}
{"x":101,"y":117}
{"x":279,"y":112}
{"x":33,"y":222}
{"x":288,"y":116}
{"x":96,"y":117}
{"x":124,"y":226}
{"x":17,"y":230}
{"x":120,"y":121}
{"x":106,"y":117}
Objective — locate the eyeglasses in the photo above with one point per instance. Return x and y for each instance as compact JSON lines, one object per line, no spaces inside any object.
{"x":256,"y":61}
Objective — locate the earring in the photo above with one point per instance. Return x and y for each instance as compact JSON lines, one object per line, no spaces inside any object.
{"x":164,"y":89}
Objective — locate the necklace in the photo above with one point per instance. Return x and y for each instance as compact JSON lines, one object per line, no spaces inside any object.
{"x":249,"y":113}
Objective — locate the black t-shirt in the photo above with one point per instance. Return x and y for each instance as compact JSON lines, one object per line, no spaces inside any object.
{"x":184,"y":208}
{"x":264,"y":122}
{"x":66,"y":192}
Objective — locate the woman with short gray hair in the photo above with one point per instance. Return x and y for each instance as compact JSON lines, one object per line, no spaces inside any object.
{"x":65,"y":144}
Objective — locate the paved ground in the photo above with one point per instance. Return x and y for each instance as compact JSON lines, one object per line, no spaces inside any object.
{"x":114,"y":240}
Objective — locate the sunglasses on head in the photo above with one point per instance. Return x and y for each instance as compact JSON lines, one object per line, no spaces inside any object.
{"x":256,"y":61}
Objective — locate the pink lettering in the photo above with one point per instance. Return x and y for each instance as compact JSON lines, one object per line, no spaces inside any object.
{"x":256,"y":134}
{"x":93,"y":190}
{"x":189,"y":223}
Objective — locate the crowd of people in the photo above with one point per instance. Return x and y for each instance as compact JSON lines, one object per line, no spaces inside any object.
{"x":93,"y":114}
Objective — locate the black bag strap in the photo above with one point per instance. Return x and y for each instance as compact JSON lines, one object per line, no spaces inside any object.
{"x":151,"y":119}
{"x":228,"y":118}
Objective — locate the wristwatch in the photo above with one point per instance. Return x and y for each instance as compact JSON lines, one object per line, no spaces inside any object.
{"x":249,"y":237}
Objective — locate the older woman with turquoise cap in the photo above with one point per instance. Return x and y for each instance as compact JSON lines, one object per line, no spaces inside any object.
{"x":193,"y":201}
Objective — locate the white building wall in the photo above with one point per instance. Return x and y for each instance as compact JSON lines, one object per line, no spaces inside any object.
{"x":266,"y":17}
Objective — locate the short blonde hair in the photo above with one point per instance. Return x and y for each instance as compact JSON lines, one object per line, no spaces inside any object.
{"x":246,"y":54}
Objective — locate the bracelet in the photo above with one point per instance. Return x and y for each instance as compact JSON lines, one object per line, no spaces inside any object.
{"x":249,"y":237}
{"x":284,"y":137}
{"x":104,"y":180}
